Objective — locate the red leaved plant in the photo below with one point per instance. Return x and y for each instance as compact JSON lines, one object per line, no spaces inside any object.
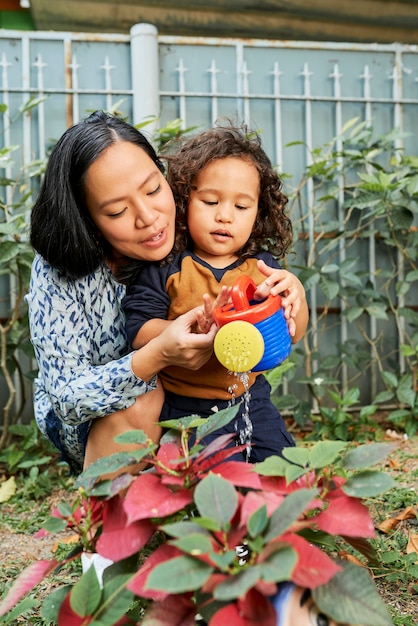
{"x":173,"y":530}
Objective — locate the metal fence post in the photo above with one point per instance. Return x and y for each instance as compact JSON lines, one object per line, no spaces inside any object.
{"x":145,"y":74}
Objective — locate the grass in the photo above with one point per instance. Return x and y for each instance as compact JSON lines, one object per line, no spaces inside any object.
{"x":397,"y":575}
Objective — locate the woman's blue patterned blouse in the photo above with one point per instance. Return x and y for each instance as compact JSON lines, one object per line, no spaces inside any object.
{"x":78,"y":334}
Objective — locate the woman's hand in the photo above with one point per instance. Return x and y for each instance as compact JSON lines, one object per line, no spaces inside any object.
{"x":292,"y":293}
{"x":175,"y":344}
{"x":181,"y":346}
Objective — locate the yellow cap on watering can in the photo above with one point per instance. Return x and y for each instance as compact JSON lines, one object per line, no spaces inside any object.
{"x":253,"y":334}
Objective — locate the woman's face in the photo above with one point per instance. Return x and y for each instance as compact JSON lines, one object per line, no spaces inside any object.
{"x":131,"y":203}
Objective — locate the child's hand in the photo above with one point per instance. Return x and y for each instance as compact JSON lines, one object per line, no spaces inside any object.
{"x":205,"y":314}
{"x":292,"y":293}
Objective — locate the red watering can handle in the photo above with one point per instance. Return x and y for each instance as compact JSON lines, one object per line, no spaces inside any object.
{"x":242,"y":292}
{"x":243,"y":306}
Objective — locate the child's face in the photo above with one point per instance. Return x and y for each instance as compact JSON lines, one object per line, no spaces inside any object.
{"x":222,"y":209}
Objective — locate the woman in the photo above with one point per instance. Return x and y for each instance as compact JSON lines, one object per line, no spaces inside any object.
{"x":104,"y":200}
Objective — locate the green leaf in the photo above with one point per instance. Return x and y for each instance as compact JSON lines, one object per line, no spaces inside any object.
{"x":324,"y":453}
{"x":23,"y":609}
{"x":116,"y":602}
{"x":272,"y":466}
{"x":351,"y":396}
{"x":216,"y":421}
{"x":32,"y":103}
{"x":194,"y":544}
{"x":54,"y":524}
{"x":224,"y":559}
{"x":289,"y":510}
{"x":349,"y":124}
{"x":294,"y":472}
{"x":236,"y":586}
{"x":348,"y":264}
{"x":412,"y":186}
{"x":402,"y":288}
{"x":309,"y":277}
{"x":408,"y":350}
{"x":178,"y":575}
{"x":319,"y":538}
{"x":398,"y":415}
{"x":330,"y":268}
{"x":368,"y":484}
{"x":353,"y":312}
{"x":131,"y":436}
{"x":86,"y":593}
{"x":279,"y":566}
{"x":275,"y":377}
{"x":350,"y":597}
{"x":298,"y":456}
{"x":405,"y":391}
{"x":182,"y":423}
{"x":113,"y":463}
{"x":64,"y":508}
{"x":52,"y":603}
{"x":367,"y":411}
{"x":216,"y":498}
{"x":207,"y":523}
{"x":378,"y":311}
{"x":389,"y":379}
{"x":329,"y":287}
{"x":412,"y":275}
{"x":351,"y":279}
{"x":8,"y":251}
{"x":257,"y":521}
{"x":401,"y":217}
{"x":34,"y":462}
{"x":384,"y":396}
{"x":366,"y":455}
{"x":183,"y":528}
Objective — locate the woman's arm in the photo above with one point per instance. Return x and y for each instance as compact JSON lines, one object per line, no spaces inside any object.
{"x":77,"y":330}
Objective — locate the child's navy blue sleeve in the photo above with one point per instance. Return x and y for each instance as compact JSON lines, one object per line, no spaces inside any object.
{"x":146,"y":299}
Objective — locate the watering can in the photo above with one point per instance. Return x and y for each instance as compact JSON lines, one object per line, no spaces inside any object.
{"x":253,"y":334}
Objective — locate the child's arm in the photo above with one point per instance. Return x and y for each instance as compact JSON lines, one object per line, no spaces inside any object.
{"x":148,"y":331}
{"x":292,"y":292}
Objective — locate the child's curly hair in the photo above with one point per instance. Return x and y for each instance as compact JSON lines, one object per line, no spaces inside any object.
{"x":272,"y":229}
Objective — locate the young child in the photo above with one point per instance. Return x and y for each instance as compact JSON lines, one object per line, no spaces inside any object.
{"x":230,"y":221}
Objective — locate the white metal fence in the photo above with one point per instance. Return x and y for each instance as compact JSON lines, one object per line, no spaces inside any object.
{"x":291,"y":91}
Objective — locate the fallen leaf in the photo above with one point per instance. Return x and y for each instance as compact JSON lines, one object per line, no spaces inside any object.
{"x":392,"y":434}
{"x":7,"y":489}
{"x":346,"y":556}
{"x":412,"y":543}
{"x":67,"y":540}
{"x":394,"y":464}
{"x":389,"y":524}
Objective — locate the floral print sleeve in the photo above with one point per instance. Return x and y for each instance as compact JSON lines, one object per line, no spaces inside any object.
{"x":78,"y":334}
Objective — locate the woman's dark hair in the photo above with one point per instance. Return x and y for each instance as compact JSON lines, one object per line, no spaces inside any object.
{"x":61,"y":228}
{"x":272,"y":229}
